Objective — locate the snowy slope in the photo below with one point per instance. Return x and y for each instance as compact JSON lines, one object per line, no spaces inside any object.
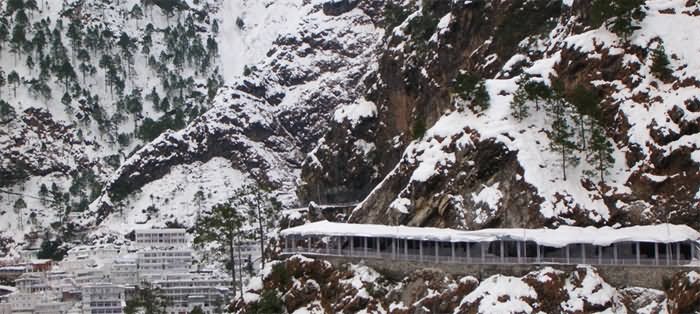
{"x":260,"y":123}
{"x":474,"y":168}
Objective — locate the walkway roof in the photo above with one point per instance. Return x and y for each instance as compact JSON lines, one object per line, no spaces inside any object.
{"x":560,"y":237}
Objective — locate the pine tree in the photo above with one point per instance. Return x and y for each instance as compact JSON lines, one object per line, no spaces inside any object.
{"x":66,"y":99}
{"x":601,"y":156}
{"x":136,"y":12}
{"x":39,"y":42}
{"x":482,"y":100}
{"x":19,"y":36}
{"x":75,"y":34}
{"x":2,"y":81}
{"x":518,"y":106}
{"x":221,"y":224}
{"x":43,"y":193}
{"x":660,"y":63}
{"x":617,"y":15}
{"x":537,"y":91}
{"x":66,"y":73}
{"x":106,"y":64}
{"x":84,"y":58}
{"x":561,"y":135}
{"x":262,"y":206}
{"x":4,"y":32}
{"x":19,"y":205}
{"x":30,"y":5}
{"x":13,"y":79}
{"x":586,"y":103}
{"x":13,"y":5}
{"x":7,"y":113}
{"x":30,"y":64}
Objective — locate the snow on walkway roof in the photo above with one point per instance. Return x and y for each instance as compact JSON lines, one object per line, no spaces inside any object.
{"x":560,"y":237}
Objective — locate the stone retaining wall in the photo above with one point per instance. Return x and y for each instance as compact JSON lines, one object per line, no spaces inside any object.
{"x":617,"y":275}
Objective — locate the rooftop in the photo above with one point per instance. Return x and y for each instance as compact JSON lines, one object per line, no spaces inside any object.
{"x":560,"y":237}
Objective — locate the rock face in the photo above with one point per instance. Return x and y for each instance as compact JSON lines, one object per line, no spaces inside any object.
{"x":264,"y":123}
{"x":300,"y":283}
{"x":424,"y":156}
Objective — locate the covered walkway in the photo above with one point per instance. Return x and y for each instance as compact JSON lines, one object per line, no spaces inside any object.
{"x":656,"y":245}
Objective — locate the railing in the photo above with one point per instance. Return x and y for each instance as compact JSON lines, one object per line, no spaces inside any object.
{"x":488,"y":259}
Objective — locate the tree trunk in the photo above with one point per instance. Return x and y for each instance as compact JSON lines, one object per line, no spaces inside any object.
{"x":600,"y":166}
{"x":233,"y":265}
{"x":240,"y":274}
{"x":563,"y":161}
{"x":583,"y":131}
{"x":262,"y":236}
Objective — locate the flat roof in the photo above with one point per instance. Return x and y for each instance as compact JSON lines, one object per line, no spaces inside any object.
{"x":560,"y":237}
{"x":167,"y":230}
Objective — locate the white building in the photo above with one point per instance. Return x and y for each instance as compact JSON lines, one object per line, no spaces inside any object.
{"x":103,"y":298}
{"x":184,"y":292}
{"x":124,"y":271}
{"x":161,"y":238}
{"x":159,"y":261}
{"x":34,"y":295}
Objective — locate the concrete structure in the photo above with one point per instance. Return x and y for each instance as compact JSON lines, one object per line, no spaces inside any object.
{"x":469,"y":252}
{"x":160,"y":260}
{"x":104,"y":298}
{"x":124,"y":271}
{"x":161,"y":238}
{"x":184,"y":292}
{"x":100,"y":278}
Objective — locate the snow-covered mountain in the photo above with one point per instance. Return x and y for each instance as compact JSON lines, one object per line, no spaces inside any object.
{"x":117,"y":115}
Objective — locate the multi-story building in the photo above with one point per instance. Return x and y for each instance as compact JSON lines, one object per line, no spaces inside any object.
{"x":124,"y":271}
{"x":184,"y":292}
{"x":161,"y":238}
{"x":158,"y":261}
{"x":103,"y":298}
{"x":35,"y":295}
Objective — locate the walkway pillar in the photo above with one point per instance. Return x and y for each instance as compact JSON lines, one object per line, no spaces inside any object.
{"x":668,"y":253}
{"x":583,"y":252}
{"x":376,"y":241}
{"x":365,"y":239}
{"x":615,"y":253}
{"x":539,"y":258}
{"x":340,"y":245}
{"x":393,"y":248}
{"x":405,"y":248}
{"x":656,"y":253}
{"x":467,"y":246}
{"x":420,"y":250}
{"x":352,"y":246}
{"x":678,"y":253}
{"x":639,"y":262}
{"x":328,"y":246}
{"x":502,"y":252}
{"x":517,"y":244}
{"x":294,"y":243}
{"x":308,"y":242}
{"x":568,"y":255}
{"x":437,"y":252}
{"x":600,"y":255}
{"x":453,"y":251}
{"x":692,"y":251}
{"x":483,"y":252}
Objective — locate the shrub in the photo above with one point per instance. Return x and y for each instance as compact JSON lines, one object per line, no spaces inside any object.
{"x":280,"y":274}
{"x":419,"y":128}
{"x":269,"y":302}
